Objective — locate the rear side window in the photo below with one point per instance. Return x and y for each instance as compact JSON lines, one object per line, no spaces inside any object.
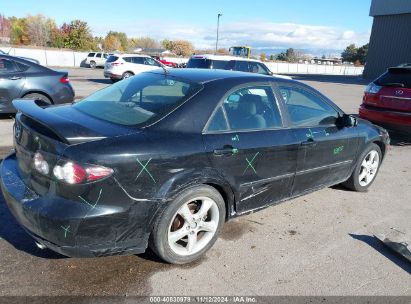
{"x":138,"y":60}
{"x":98,"y":55}
{"x":128,"y":59}
{"x":7,"y":66}
{"x":395,"y":77}
{"x":91,"y":54}
{"x":22,"y":67}
{"x":112,"y":59}
{"x":219,"y":64}
{"x":139,"y":100}
{"x":218,"y":122}
{"x":199,"y":63}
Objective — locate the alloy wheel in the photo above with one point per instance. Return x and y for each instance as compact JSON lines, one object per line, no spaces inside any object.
{"x":369,"y":168}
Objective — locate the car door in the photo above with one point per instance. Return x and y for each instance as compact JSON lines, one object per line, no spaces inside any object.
{"x":99,"y":59}
{"x":248,"y":146}
{"x":327,"y":150}
{"x":12,"y":81}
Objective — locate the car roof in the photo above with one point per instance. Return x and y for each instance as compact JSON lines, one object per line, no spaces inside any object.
{"x":209,"y":75}
{"x":223,"y":57}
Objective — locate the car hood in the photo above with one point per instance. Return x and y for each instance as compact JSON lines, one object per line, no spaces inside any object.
{"x":67,"y":124}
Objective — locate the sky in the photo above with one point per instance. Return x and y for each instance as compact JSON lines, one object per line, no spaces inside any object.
{"x":263,"y":24}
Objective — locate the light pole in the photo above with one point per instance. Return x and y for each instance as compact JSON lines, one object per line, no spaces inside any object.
{"x":218,"y":27}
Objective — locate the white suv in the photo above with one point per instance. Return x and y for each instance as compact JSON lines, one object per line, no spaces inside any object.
{"x":96,"y":59}
{"x":119,"y":67}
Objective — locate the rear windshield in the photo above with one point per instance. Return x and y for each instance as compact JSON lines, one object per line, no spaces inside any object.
{"x":398,"y":77}
{"x":199,"y":63}
{"x":139,"y":100}
{"x":111,"y":58}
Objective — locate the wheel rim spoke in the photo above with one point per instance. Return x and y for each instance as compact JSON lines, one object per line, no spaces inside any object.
{"x":363,"y":174}
{"x":185,"y":212}
{"x":175,"y":236}
{"x":192,"y":241}
{"x":208,"y":226}
{"x":205,"y":206}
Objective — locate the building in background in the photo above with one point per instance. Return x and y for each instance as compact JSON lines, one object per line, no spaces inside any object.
{"x":390,"y":42}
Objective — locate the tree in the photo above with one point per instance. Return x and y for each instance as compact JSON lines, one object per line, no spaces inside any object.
{"x":121,"y":37}
{"x":272,"y":57}
{"x":18,"y":31}
{"x":167,"y":44}
{"x":222,"y":51}
{"x":38,"y":30}
{"x":144,"y":43}
{"x":350,"y":53}
{"x":263,"y":57}
{"x":79,"y":36}
{"x":182,"y":48}
{"x":5,"y":28}
{"x":362,"y":54}
{"x":112,"y":43}
{"x":289,"y":55}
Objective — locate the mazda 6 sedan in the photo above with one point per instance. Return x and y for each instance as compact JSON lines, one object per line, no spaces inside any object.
{"x":164,"y":158}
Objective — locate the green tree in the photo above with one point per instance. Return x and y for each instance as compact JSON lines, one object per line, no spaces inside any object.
{"x":18,"y":31}
{"x":167,"y":44}
{"x":350,"y":53}
{"x":121,"y":37}
{"x":144,"y":43}
{"x":263,"y":57}
{"x":362,"y":54}
{"x":79,"y":36}
{"x":289,"y":55}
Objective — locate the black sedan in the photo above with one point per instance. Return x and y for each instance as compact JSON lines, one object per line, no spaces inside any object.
{"x":20,"y":78}
{"x":166,"y":157}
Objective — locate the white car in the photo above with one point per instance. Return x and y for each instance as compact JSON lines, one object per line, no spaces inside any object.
{"x":119,"y":67}
{"x":96,"y":59}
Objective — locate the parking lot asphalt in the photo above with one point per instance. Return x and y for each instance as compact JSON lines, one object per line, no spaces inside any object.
{"x":318,"y":244}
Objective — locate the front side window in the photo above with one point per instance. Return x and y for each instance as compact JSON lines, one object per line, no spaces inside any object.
{"x":139,"y":100}
{"x":98,"y":55}
{"x":151,"y":61}
{"x":249,"y":108}
{"x":307,"y":109}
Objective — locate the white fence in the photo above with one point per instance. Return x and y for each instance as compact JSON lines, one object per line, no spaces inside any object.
{"x":65,"y":58}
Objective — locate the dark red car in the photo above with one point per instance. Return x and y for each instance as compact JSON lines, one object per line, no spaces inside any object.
{"x":166,"y":62}
{"x":387,"y":100}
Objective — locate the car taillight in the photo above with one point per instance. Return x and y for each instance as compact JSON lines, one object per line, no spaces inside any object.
{"x":116,"y":63}
{"x":64,"y":79}
{"x":73,"y":173}
{"x":372,"y":88}
{"x":40,"y":164}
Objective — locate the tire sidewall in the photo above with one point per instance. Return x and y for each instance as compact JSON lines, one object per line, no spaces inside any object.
{"x":356,"y":182}
{"x":159,"y":236}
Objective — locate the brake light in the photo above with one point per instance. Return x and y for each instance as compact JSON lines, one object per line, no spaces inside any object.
{"x":73,"y":173}
{"x":64,"y":79}
{"x":116,"y":63}
{"x":372,"y":88}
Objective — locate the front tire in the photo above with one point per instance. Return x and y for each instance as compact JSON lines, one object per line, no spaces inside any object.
{"x":189,"y":226}
{"x":93,"y":64}
{"x":365,"y":170}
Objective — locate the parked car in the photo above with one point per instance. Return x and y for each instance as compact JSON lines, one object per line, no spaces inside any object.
{"x":25,"y":58}
{"x":387,"y":100}
{"x":166,"y":62}
{"x":165,"y":158}
{"x":230,"y":63}
{"x":120,"y":67}
{"x":20,"y":78}
{"x":96,"y":59}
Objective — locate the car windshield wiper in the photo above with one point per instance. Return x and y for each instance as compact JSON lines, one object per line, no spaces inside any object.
{"x":392,"y":84}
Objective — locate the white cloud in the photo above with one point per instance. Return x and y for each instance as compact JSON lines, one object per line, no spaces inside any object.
{"x":256,"y":33}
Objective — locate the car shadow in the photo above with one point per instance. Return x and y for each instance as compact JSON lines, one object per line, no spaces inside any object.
{"x":340,"y":79}
{"x":399,"y":139}
{"x":14,"y":234}
{"x":99,"y":80}
{"x":376,"y":244}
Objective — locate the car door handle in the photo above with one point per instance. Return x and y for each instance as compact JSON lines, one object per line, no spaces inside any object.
{"x":226,"y":150}
{"x":309,"y":143}
{"x":15,"y":78}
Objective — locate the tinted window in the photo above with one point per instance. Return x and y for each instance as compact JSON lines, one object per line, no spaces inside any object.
{"x":91,"y":54}
{"x":219,"y":64}
{"x":128,"y":59}
{"x":7,"y":66}
{"x":105,"y":55}
{"x":112,"y":59}
{"x":218,"y":122}
{"x":21,"y":67}
{"x":306,"y":108}
{"x":252,"y":108}
{"x":138,"y":100}
{"x":395,"y":76}
{"x":241,"y":66}
{"x":138,"y":60}
{"x":98,"y":55}
{"x":199,"y":63}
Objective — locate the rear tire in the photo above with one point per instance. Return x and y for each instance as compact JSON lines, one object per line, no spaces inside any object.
{"x":93,"y":64}
{"x":189,"y":225}
{"x":127,"y":75}
{"x":38,"y":96}
{"x":365,"y":170}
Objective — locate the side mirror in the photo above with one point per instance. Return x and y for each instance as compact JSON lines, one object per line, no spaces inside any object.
{"x":348,"y":121}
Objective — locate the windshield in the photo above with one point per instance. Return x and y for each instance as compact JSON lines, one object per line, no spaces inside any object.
{"x":199,"y":63}
{"x":139,"y":100}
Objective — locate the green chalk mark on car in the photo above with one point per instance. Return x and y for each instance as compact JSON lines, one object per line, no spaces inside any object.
{"x":144,"y":169}
{"x":235,"y":138}
{"x":66,"y":230}
{"x":250,"y":164}
{"x":90,"y":204}
{"x":338,"y":150}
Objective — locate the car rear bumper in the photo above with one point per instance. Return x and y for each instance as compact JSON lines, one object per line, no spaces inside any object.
{"x":400,"y":121}
{"x":112,"y":76}
{"x":66,"y":227}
